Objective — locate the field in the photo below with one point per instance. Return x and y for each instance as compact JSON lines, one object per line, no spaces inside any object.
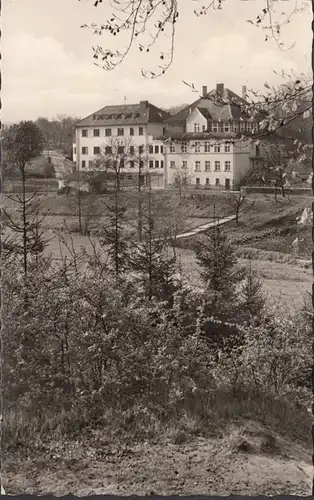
{"x":262,"y":447}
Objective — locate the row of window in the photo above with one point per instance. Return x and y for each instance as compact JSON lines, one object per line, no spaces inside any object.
{"x":152,"y":164}
{"x":197,"y":147}
{"x":217,"y":182}
{"x":197,"y":166}
{"x":108,"y":132}
{"x":121,"y":150}
{"x":242,"y":126}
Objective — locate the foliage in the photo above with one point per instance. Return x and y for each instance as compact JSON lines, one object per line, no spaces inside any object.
{"x":181,"y":180}
{"x":21,"y":143}
{"x":58,"y":133}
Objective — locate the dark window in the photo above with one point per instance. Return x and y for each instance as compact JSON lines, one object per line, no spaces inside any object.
{"x":132,"y":163}
{"x":122,"y":163}
{"x":151,"y":164}
{"x":96,"y":132}
{"x":207,"y":180}
{"x":227,"y":183}
{"x":141,"y":149}
{"x":108,"y":150}
{"x":156,"y":149}
{"x":151,"y":149}
{"x":84,"y":133}
{"x":217,"y":182}
{"x":121,"y":177}
{"x":96,"y":150}
{"x":198,"y":180}
{"x":120,"y":150}
{"x":84,"y":150}
{"x":120,"y":131}
{"x":131,"y":131}
{"x":156,"y":164}
{"x":108,"y":132}
{"x":162,"y":164}
{"x":131,"y":150}
{"x":161,"y":149}
{"x":141,"y":164}
{"x":83,"y":164}
{"x":140,"y":131}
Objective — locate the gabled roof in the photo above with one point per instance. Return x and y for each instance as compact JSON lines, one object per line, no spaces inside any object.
{"x":129,"y":114}
{"x":215,"y":107}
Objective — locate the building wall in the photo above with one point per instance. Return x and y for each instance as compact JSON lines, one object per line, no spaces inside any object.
{"x":196,"y":118}
{"x":242,"y":153}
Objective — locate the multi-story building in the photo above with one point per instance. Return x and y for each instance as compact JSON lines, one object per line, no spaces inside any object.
{"x":210,"y":140}
{"x":133,"y":128}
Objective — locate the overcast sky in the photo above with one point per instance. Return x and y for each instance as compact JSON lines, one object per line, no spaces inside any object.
{"x":47,"y":64}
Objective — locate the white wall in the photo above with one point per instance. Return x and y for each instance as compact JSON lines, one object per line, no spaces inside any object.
{"x":195,"y":117}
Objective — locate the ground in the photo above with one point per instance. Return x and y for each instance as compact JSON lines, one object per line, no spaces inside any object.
{"x":249,"y":459}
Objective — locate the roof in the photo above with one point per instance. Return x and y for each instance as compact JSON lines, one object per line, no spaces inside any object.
{"x":183,"y":136}
{"x":128,"y":114}
{"x":215,"y":107}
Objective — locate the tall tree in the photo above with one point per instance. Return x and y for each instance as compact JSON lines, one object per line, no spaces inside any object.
{"x":20,"y":144}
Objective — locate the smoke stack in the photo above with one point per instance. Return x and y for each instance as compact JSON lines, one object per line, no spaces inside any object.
{"x":204,"y":90}
{"x":220,"y":89}
{"x":144,"y":104}
{"x":244,"y":93}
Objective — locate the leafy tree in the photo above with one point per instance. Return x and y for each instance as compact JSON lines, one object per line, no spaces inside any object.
{"x":181,"y":180}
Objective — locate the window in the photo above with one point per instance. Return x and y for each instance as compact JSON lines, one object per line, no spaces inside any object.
{"x":220,"y":127}
{"x":83,"y":164}
{"x":249,"y":126}
{"x":172,"y":148}
{"x":217,"y":182}
{"x":197,"y":166}
{"x":217,"y":166}
{"x":227,"y":166}
{"x":96,"y":132}
{"x":217,"y":148}
{"x":227,"y":148}
{"x":120,"y":131}
{"x":132,"y":164}
{"x":108,"y":132}
{"x":226,"y":127}
{"x":172,"y":164}
{"x":84,"y":132}
{"x":207,"y":147}
{"x":108,"y":150}
{"x":131,"y":150}
{"x":84,"y":150}
{"x":214,"y":127}
{"x":203,"y":128}
{"x":96,"y":150}
{"x":242,"y":126}
{"x":74,"y":150}
{"x":141,"y":149}
{"x":120,"y":150}
{"x":235,"y":127}
{"x":197,"y":147}
{"x":156,"y":149}
{"x":162,"y":164}
{"x":90,"y":163}
{"x":140,"y":131}
{"x":151,"y":149}
{"x":207,"y":166}
{"x":196,"y":127}
{"x":131,"y":131}
{"x":129,"y":177}
{"x":184,"y":164}
{"x":197,"y":180}
{"x":207,"y":181}
{"x":161,"y":149}
{"x":184,"y":147}
{"x":156,"y":164}
{"x":141,"y":164}
{"x":122,"y":163}
{"x":227,"y":184}
{"x":151,"y":164}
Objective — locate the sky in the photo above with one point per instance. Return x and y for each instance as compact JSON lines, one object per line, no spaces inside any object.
{"x":47,"y":64}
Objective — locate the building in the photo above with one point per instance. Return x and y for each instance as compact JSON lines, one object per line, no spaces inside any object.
{"x":210,"y":140}
{"x":127,"y":132}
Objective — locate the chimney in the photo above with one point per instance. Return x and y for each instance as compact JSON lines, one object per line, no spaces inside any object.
{"x":143,"y":104}
{"x":244,"y":94}
{"x":220,"y":89}
{"x":204,"y":90}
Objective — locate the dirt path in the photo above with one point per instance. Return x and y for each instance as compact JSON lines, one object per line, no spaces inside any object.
{"x":249,"y":460}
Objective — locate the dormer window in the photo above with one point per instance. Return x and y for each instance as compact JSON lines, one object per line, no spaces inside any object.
{"x":196,"y":127}
{"x":226,"y":127}
{"x":214,"y":127}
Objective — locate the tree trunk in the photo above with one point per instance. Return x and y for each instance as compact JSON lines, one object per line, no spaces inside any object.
{"x":24,"y":219}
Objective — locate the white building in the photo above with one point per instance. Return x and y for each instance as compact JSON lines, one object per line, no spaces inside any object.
{"x":210,"y":140}
{"x":134,"y":127}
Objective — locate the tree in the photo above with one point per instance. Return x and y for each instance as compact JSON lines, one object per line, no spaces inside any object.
{"x":20,"y":144}
{"x":159,"y":19}
{"x":181,"y":180}
{"x":238,"y":200}
{"x":58,"y":132}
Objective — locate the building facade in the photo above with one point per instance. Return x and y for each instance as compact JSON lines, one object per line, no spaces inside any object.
{"x":209,"y":140}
